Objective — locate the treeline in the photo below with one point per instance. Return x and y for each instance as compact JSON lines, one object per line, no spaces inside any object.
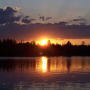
{"x":13,"y":49}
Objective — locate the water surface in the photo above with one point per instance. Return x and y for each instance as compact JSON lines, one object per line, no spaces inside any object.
{"x":43,"y":73}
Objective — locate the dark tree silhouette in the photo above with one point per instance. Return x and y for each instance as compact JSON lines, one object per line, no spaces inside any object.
{"x":10,"y":48}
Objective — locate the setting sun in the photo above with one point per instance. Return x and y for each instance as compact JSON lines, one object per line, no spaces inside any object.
{"x":43,"y":42}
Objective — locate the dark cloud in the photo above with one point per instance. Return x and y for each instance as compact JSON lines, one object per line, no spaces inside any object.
{"x":8,"y":15}
{"x":26,"y":16}
{"x":27,"y":20}
{"x":43,"y":18}
{"x":57,"y":30}
{"x":63,"y":23}
{"x":80,"y":19}
{"x":48,"y":18}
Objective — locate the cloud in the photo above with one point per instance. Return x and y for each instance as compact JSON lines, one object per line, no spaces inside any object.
{"x":63,"y":23}
{"x":26,"y":16}
{"x":48,"y":18}
{"x":7,"y":15}
{"x":10,"y":15}
{"x":27,"y":20}
{"x":43,"y":18}
{"x":33,"y":31}
{"x":79,"y":19}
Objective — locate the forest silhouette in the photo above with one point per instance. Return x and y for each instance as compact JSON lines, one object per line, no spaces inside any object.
{"x":10,"y":48}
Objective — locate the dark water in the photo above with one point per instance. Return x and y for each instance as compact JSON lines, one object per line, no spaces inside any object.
{"x":42,"y":73}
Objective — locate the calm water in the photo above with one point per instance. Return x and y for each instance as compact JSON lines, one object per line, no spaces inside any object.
{"x":42,"y":73}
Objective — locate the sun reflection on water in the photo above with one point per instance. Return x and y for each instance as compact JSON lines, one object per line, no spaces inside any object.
{"x":44,"y":64}
{"x":41,"y":65}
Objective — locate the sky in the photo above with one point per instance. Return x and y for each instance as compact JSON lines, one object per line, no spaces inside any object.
{"x":58,"y":9}
{"x":70,"y":20}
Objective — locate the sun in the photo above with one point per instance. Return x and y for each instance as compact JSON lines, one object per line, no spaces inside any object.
{"x":43,"y":42}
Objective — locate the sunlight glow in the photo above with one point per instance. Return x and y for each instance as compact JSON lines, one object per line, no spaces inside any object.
{"x":44,"y":42}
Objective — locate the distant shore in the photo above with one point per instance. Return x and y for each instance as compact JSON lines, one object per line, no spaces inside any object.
{"x":10,"y":48}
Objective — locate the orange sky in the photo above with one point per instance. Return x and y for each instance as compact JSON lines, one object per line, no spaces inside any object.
{"x":63,"y":41}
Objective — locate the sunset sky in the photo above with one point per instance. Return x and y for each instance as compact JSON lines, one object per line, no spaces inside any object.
{"x":57,"y":20}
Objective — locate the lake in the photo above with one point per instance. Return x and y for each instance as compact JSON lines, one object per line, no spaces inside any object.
{"x":45,"y":73}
